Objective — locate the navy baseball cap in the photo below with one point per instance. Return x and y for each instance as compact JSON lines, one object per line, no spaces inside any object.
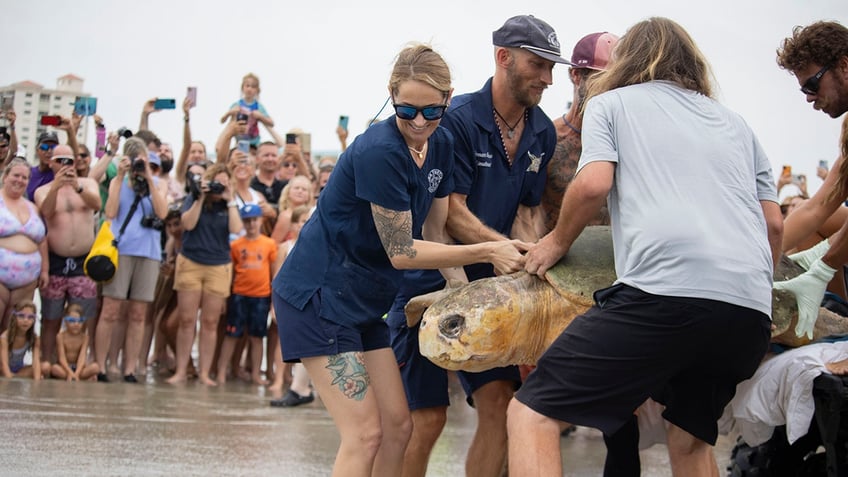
{"x":249,"y":211}
{"x":531,"y":34}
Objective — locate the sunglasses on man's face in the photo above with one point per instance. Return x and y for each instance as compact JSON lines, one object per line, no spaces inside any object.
{"x":46,"y":146}
{"x":430,"y":113}
{"x":4,"y":145}
{"x":811,"y":86}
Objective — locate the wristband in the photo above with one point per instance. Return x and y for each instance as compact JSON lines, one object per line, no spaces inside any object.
{"x":232,"y":203}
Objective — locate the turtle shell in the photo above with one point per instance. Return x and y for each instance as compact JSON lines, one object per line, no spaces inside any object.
{"x":588,"y":266}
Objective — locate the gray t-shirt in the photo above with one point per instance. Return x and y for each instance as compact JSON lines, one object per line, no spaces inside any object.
{"x":685,"y":203}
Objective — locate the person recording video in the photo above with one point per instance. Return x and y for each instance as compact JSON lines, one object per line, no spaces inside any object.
{"x":204,"y":267}
{"x":136,"y":206}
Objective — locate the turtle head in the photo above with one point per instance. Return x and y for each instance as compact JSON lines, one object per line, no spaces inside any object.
{"x":472,"y":328}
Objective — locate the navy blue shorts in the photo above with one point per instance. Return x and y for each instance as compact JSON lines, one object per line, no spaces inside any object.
{"x":248,"y":312}
{"x":425,"y":384}
{"x":686,"y":353}
{"x":305,"y":333}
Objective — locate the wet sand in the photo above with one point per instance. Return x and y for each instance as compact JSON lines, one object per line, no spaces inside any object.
{"x":54,"y":428}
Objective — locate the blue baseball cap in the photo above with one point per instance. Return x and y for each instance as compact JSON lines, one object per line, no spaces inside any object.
{"x":250,"y":211}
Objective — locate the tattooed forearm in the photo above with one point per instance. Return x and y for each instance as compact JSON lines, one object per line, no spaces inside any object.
{"x":395,"y":230}
{"x":349,"y":374}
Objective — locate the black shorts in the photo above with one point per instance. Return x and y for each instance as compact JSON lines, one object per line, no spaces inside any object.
{"x":685,"y":353}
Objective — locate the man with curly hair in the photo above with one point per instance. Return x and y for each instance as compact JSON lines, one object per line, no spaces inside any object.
{"x":818,"y":57}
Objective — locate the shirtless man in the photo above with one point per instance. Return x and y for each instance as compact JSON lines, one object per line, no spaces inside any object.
{"x":68,"y":206}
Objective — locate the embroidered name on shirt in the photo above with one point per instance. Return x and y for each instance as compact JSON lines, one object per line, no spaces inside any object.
{"x":535,"y":162}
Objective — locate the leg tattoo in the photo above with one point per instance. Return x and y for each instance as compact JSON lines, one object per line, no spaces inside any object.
{"x":349,"y":374}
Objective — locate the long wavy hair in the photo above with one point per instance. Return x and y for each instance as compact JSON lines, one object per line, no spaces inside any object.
{"x":840,"y":190}
{"x":13,"y":326}
{"x":651,"y":50}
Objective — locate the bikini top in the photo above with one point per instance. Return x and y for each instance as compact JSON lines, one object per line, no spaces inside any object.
{"x":10,"y":225}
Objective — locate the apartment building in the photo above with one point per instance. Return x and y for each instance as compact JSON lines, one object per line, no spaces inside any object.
{"x":31,"y":101}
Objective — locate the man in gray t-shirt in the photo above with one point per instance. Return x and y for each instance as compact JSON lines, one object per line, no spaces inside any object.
{"x":696,"y":232}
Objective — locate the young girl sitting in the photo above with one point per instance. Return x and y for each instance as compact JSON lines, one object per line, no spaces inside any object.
{"x":72,"y":348}
{"x":19,"y":345}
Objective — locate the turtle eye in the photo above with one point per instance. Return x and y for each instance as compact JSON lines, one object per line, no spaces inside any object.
{"x":451,"y":326}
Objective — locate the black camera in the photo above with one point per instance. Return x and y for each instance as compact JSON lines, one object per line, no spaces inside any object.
{"x":193,"y":184}
{"x":138,"y":165}
{"x":153,"y":222}
{"x":216,"y":187}
{"x":126,"y":133}
{"x":241,"y":117}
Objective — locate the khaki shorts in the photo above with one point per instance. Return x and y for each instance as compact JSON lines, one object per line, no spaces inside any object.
{"x":192,"y":276}
{"x":135,"y":279}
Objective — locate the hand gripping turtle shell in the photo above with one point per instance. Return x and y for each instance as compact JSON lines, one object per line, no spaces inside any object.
{"x":512,"y":319}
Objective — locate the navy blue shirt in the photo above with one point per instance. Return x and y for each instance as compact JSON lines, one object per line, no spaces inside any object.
{"x":338,"y":250}
{"x":208,"y":243}
{"x":493,"y":188}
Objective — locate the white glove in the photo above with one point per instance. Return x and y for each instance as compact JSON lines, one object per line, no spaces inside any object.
{"x":808,"y":289}
{"x":805,"y":258}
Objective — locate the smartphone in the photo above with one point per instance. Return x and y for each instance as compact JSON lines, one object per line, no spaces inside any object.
{"x":291,"y":138}
{"x":305,"y":142}
{"x":343,"y":120}
{"x":244,"y":146}
{"x":8,"y":102}
{"x":241,"y":117}
{"x":51,"y":120}
{"x":85,"y":106}
{"x":798,"y":178}
{"x":166,"y":103}
{"x":787,"y":171}
{"x":191,"y":94}
{"x":823,"y":164}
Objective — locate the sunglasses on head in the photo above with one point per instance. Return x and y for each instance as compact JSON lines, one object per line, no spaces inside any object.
{"x":811,"y":86}
{"x":27,"y":316}
{"x":74,"y":319}
{"x":46,"y":146}
{"x":430,"y":113}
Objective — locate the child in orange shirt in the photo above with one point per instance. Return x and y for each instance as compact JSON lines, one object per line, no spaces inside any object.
{"x":253,"y":256}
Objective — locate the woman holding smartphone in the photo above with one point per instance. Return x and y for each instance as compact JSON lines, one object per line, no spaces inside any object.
{"x":342,"y":275}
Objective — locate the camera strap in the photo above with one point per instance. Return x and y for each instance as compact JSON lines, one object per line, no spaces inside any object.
{"x":132,"y":210}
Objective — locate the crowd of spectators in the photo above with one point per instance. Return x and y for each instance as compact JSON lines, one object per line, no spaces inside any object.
{"x":197,"y":242}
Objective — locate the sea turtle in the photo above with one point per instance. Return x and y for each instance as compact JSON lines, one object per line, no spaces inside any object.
{"x":513,"y":318}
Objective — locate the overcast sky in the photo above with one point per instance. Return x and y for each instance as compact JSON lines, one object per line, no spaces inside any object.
{"x":319,"y":59}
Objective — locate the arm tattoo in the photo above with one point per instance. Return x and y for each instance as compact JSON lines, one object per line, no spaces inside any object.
{"x":395,"y":230}
{"x":349,"y":374}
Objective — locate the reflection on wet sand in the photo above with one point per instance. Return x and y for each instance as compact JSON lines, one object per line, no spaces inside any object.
{"x":61,"y":428}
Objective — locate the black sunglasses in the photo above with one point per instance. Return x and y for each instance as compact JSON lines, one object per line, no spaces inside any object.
{"x":811,"y":86}
{"x":430,"y":113}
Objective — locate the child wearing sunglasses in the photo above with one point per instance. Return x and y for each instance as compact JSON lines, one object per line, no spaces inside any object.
{"x":72,"y":348}
{"x":19,"y":345}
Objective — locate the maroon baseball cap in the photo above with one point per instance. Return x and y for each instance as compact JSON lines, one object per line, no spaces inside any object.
{"x":593,"y":51}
